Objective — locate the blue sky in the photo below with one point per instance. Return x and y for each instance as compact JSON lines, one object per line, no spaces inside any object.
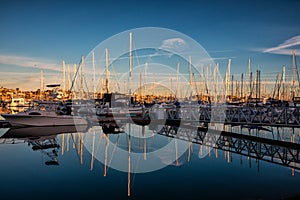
{"x":40,"y":34}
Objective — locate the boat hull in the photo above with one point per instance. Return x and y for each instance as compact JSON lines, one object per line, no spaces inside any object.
{"x":37,"y":120}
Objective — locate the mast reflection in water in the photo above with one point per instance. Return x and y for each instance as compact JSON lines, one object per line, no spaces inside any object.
{"x":62,"y":162}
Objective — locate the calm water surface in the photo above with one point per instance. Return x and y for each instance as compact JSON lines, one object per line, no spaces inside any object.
{"x":29,"y":171}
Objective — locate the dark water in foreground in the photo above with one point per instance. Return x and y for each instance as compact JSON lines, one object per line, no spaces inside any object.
{"x":24,"y":174}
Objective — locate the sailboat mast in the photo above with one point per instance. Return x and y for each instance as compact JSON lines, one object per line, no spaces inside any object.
{"x":283,"y":83}
{"x":106,"y":70}
{"x":242,"y":85}
{"x":64,"y":75}
{"x":130,"y":61}
{"x":41,"y":81}
{"x":228,"y":77}
{"x":191,"y":72}
{"x":94,"y":74}
{"x":141,"y":91}
{"x":74,"y":81}
{"x":74,"y":71}
{"x":82,"y":76}
{"x":294,"y":63}
{"x":145,"y":75}
{"x":232,"y":86}
{"x":216,"y":81}
{"x":69,"y":77}
{"x":177,"y":79}
{"x":250,"y":75}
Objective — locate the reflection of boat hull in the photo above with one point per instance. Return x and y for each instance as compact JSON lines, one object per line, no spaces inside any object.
{"x":42,"y":131}
{"x":121,"y":112}
{"x":38,"y":120}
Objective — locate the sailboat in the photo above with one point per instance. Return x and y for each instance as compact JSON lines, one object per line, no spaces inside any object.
{"x":117,"y":104}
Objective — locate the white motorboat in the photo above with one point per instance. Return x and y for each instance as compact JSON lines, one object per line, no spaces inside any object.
{"x":45,"y":113}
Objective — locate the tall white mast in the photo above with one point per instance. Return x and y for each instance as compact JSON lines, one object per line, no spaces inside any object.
{"x":190,"y":69}
{"x":228,"y":77}
{"x":82,"y":76}
{"x":250,"y":76}
{"x":106,"y":71}
{"x":177,"y":79}
{"x":283,"y":83}
{"x":145,"y":75}
{"x":141,"y":91}
{"x":94,"y":74}
{"x":69,"y":77}
{"x":130,"y":62}
{"x":41,"y":81}
{"x":74,"y":72}
{"x":202,"y":81}
{"x":293,"y":75}
{"x":191,"y":76}
{"x":216,"y":81}
{"x":64,"y":75}
{"x":74,"y":81}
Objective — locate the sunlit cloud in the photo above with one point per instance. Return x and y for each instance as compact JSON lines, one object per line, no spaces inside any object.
{"x":27,"y":80}
{"x":286,"y":47}
{"x":174,"y":44}
{"x":30,"y":62}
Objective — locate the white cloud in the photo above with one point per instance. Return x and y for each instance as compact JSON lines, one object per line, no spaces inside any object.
{"x":285,"y":47}
{"x":26,"y":80}
{"x":174,"y":44}
{"x":31,"y":62}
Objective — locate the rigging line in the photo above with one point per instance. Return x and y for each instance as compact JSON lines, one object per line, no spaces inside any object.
{"x":86,"y":85}
{"x":275,"y":86}
{"x":252,"y":85}
{"x":116,"y":77}
{"x":206,"y":87}
{"x":295,"y":63}
{"x":100,"y":75}
{"x":279,"y":86}
{"x":74,"y":79}
{"x":195,"y":84}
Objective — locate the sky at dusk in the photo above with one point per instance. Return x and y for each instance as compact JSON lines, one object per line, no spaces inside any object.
{"x":40,"y":34}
